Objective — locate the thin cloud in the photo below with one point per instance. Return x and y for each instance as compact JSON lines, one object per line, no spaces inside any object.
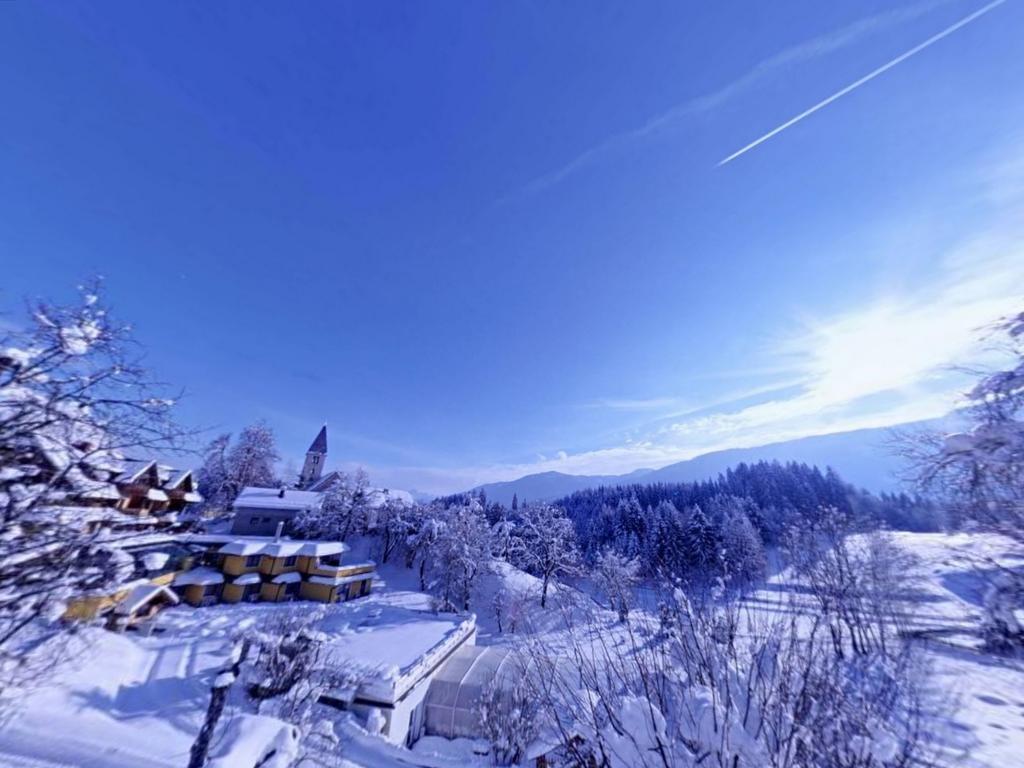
{"x":802,"y":52}
{"x":864,"y":80}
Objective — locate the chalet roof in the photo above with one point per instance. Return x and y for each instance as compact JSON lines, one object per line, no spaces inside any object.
{"x":278,"y":498}
{"x":319,"y":445}
{"x":133,"y":469}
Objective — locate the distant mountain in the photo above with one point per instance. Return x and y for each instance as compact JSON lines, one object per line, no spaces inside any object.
{"x":861,"y":457}
{"x":545,"y":486}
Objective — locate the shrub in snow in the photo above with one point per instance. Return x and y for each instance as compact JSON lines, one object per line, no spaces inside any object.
{"x":287,"y":668}
{"x":508,"y":715}
{"x":511,"y":607}
{"x":72,"y":399}
{"x":617,"y":577}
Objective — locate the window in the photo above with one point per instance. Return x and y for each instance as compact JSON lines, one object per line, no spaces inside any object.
{"x":252,"y":561}
{"x":288,"y":561}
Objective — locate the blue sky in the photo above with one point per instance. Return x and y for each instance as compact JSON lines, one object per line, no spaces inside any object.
{"x":486,"y":239}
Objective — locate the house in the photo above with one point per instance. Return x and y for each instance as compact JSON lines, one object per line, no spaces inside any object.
{"x":274,"y":569}
{"x":260,"y":511}
{"x":147,"y":488}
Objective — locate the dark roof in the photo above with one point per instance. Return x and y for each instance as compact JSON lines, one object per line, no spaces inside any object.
{"x":320,"y":444}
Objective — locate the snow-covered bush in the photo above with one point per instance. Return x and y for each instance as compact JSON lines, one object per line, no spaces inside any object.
{"x":511,"y":607}
{"x":287,"y":668}
{"x":508,"y":715}
{"x":617,"y":576}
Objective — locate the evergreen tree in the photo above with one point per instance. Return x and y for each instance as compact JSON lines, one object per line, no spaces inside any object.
{"x":700,"y":544}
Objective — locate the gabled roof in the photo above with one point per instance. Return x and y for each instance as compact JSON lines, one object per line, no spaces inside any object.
{"x":319,"y":445}
{"x":134,"y":469}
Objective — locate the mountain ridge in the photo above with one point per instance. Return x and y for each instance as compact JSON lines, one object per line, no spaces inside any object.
{"x":861,"y":457}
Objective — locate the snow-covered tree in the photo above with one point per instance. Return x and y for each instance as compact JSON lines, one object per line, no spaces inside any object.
{"x":549,"y":547}
{"x":214,"y":482}
{"x":251,"y":459}
{"x":617,"y":576}
{"x":698,"y":692}
{"x":461,"y":555}
{"x":394,"y":523}
{"x":426,"y":527}
{"x":73,"y":400}
{"x":342,"y":511}
{"x":743,"y":555}
{"x":701,"y":547}
{"x":981,"y":471}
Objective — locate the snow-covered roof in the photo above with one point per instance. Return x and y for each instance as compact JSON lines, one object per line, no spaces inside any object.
{"x":171,"y":477}
{"x":155,"y":494}
{"x":247,"y":578}
{"x":133,"y":469}
{"x":142,"y":595}
{"x":203,"y":576}
{"x":272,"y":547}
{"x":340,"y":580}
{"x":395,"y":647}
{"x":278,"y":498}
{"x":323,"y":548}
{"x":287,"y":578}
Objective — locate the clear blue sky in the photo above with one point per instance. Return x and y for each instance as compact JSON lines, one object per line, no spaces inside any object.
{"x":484,"y":239}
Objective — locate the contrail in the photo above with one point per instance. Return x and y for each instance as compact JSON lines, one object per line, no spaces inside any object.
{"x":870,"y":76}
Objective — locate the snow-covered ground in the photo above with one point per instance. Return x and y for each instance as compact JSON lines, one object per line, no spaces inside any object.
{"x":983,"y":693}
{"x":131,"y":701}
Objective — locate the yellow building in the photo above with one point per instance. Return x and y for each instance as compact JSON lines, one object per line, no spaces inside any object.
{"x":274,"y":569}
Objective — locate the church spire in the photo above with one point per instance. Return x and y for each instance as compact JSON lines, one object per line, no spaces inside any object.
{"x":319,"y":445}
{"x":316,"y":457}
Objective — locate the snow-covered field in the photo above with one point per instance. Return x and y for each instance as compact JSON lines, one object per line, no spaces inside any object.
{"x":131,"y":701}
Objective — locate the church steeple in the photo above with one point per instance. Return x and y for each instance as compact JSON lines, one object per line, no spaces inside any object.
{"x":316,"y":457}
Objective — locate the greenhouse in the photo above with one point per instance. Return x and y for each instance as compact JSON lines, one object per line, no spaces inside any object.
{"x":451,"y":701}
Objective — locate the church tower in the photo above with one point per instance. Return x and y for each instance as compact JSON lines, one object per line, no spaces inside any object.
{"x":316,"y":457}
